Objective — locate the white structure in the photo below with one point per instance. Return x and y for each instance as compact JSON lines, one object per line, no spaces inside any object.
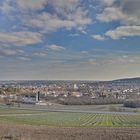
{"x":37,"y":96}
{"x":75,"y":87}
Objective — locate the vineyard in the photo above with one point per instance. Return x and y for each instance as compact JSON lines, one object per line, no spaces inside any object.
{"x":63,"y":119}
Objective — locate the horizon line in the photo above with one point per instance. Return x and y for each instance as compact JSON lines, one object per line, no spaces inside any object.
{"x":69,"y":79}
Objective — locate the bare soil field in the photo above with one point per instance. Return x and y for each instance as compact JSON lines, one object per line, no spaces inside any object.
{"x":26,"y":132}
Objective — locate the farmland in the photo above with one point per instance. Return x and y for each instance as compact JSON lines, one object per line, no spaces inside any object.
{"x":68,"y":119}
{"x":31,"y":124}
{"x":27,"y":132}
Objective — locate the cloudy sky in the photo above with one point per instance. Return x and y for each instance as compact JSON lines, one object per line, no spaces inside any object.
{"x":69,"y":39}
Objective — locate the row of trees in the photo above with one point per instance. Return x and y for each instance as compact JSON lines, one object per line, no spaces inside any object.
{"x":85,"y":101}
{"x":132,"y":103}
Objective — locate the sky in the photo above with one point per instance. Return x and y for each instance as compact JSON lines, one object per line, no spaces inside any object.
{"x":69,"y":39}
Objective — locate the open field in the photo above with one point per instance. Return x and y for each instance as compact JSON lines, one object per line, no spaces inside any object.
{"x":31,"y":124}
{"x":69,"y":119}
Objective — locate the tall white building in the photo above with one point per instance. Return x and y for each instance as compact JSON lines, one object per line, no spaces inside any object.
{"x":75,"y":87}
{"x":37,"y":97}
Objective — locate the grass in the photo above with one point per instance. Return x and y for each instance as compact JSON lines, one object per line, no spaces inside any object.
{"x":63,"y":119}
{"x":67,"y":126}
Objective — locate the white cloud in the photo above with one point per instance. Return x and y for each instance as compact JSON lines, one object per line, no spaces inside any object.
{"x":84,"y":32}
{"x":5,"y":8}
{"x":110,"y":14}
{"x":40,"y":54}
{"x":74,"y":34}
{"x":24,"y":58}
{"x":84,"y":52}
{"x":65,"y":5}
{"x":93,"y":62}
{"x":65,"y":14}
{"x":10,"y":51}
{"x":30,"y":4}
{"x":124,"y":31}
{"x":55,"y":47}
{"x":19,"y":38}
{"x":98,"y":37}
{"x":127,"y":12}
{"x":7,"y":52}
{"x":48,"y":22}
{"x":107,"y":2}
{"x":116,"y":14}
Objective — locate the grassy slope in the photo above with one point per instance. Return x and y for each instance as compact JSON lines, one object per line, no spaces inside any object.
{"x":60,"y":119}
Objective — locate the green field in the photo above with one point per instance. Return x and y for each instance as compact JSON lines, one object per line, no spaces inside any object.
{"x":64,"y":119}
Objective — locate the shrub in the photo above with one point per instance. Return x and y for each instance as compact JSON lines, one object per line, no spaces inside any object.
{"x":132,"y":103}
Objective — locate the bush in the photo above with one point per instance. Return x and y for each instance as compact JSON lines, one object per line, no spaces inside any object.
{"x":86,"y":101}
{"x":132,"y":103}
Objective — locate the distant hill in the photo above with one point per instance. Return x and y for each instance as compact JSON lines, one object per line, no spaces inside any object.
{"x":47,"y":82}
{"x":127,"y":80}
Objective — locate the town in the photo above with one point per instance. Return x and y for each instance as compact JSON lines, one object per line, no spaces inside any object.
{"x":71,"y":92}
